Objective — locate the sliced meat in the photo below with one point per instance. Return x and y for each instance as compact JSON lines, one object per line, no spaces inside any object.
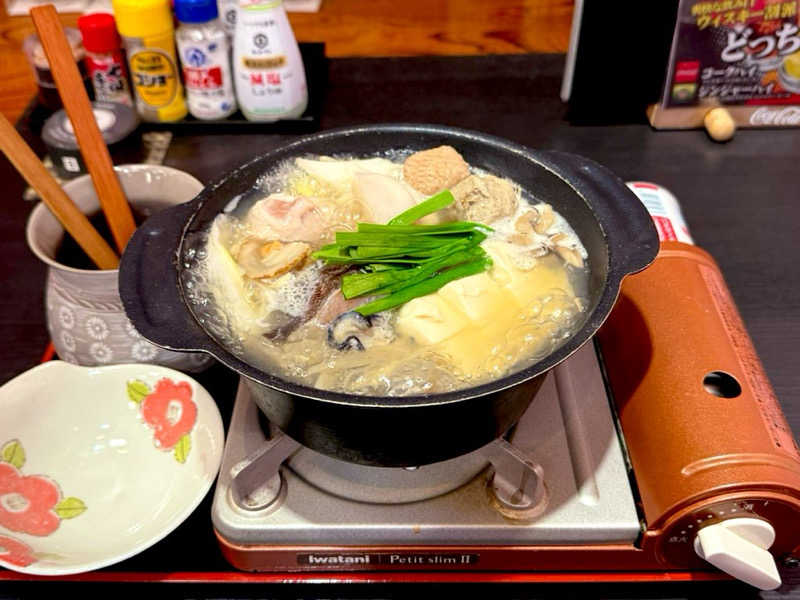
{"x":431,"y":171}
{"x":336,"y":304}
{"x":283,"y":324}
{"x":484,"y":199}
{"x":286,"y":218}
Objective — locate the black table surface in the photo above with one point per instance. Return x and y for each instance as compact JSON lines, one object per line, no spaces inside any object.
{"x":740,"y":200}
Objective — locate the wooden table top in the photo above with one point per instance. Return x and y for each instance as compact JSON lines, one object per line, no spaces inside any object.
{"x":358,"y":28}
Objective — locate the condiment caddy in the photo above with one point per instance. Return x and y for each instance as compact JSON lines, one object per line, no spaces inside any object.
{"x":189,"y":70}
{"x":207,"y":68}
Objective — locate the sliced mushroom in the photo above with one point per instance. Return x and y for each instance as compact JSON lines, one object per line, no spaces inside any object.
{"x":570,"y":255}
{"x":261,"y":259}
{"x":431,"y":171}
{"x":352,"y":331}
{"x":526,"y":221}
{"x":546,"y":219}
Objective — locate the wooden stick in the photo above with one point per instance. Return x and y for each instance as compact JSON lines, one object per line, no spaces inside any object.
{"x":61,"y":205}
{"x":90,"y":140}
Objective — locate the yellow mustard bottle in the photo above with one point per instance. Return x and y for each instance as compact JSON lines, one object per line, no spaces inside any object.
{"x":146,"y":27}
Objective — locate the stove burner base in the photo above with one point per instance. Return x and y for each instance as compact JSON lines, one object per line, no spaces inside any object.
{"x":568,"y":430}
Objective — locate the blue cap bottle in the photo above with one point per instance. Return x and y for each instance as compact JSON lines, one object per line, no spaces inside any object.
{"x":196,"y":11}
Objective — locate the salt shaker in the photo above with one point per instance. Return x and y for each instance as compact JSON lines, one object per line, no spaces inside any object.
{"x":204,"y":53}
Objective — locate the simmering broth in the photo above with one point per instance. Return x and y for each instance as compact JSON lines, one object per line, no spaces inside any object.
{"x":287,"y":312}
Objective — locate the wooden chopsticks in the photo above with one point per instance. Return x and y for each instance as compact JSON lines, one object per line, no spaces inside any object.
{"x":39,"y":178}
{"x":76,"y":102}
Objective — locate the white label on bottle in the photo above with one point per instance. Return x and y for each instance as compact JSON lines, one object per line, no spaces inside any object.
{"x":268,"y":68}
{"x":70,"y":164}
{"x":227,"y":14}
{"x":209,"y":90}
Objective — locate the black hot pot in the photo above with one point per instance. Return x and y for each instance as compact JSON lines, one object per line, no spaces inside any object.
{"x":612,"y":223}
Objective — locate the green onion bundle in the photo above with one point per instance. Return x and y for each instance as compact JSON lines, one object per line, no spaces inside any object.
{"x":401,"y":261}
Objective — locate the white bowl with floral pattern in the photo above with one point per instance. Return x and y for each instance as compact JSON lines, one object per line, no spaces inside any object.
{"x":100,"y":463}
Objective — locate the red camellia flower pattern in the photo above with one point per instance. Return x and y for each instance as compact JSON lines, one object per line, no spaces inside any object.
{"x":26,"y":503}
{"x":170,"y":410}
{"x":15,"y":552}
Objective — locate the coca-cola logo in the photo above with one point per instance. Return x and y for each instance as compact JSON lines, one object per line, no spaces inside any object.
{"x":789,"y":115}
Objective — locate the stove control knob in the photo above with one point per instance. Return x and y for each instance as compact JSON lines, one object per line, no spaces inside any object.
{"x":739,"y":547}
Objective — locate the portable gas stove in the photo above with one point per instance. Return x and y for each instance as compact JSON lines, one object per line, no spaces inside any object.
{"x":560,"y":478}
{"x":661,"y":447}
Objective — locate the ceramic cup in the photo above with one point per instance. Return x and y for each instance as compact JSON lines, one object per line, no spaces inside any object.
{"x":85,"y":317}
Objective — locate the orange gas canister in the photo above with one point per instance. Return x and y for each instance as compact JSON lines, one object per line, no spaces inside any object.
{"x":714,"y":460}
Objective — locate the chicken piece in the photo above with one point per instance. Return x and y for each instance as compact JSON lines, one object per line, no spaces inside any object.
{"x":260,"y":259}
{"x":431,"y":171}
{"x":484,"y":199}
{"x":287,"y":218}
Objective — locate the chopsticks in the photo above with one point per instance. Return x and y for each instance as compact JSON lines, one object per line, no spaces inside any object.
{"x":56,"y":199}
{"x":90,"y":140}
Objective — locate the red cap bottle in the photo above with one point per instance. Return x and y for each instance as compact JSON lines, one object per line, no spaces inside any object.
{"x":99,"y":33}
{"x":104,"y":59}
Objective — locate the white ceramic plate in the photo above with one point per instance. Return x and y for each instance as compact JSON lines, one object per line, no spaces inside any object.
{"x":100,"y":463}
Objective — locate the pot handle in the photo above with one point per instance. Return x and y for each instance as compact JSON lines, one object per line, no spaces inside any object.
{"x":149,"y":286}
{"x":630,"y":232}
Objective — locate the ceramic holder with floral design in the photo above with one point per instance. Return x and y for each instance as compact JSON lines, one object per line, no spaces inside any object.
{"x":84,"y":312}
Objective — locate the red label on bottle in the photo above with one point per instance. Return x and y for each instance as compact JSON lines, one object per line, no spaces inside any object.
{"x":664,"y":228}
{"x":109,"y":77}
{"x":203,"y":79}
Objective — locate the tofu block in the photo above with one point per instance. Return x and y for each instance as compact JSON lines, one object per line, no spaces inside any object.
{"x":478,"y":297}
{"x":339,"y":173}
{"x":430,"y":319}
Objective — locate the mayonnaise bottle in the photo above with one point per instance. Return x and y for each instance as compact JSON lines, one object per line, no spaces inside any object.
{"x":268,"y":69}
{"x":147,"y":32}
